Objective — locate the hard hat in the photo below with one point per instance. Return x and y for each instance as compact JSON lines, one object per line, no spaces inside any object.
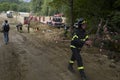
{"x":81,"y":21}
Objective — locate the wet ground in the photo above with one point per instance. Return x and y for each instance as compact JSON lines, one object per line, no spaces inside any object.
{"x":29,"y":56}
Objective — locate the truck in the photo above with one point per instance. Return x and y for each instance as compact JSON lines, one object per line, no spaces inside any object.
{"x":56,"y":21}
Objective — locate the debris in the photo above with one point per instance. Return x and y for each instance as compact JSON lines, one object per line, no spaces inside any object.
{"x":112,"y":65}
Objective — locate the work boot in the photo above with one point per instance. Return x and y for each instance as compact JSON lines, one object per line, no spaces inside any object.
{"x":83,"y":75}
{"x":70,"y":68}
{"x":84,"y":78}
{"x":5,"y":43}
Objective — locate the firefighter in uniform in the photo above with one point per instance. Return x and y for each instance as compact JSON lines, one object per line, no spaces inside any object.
{"x":78,"y":40}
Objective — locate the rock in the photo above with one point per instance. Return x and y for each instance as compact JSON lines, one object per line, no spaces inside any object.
{"x":112,"y":65}
{"x":105,"y":56}
{"x":49,"y":30}
{"x":100,"y":61}
{"x":97,"y":55}
{"x":112,"y":60}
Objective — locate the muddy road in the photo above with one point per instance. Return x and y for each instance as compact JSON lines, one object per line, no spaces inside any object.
{"x":29,"y":56}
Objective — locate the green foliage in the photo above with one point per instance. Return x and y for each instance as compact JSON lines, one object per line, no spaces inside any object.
{"x":47,"y":7}
{"x":10,"y":1}
{"x":4,"y":6}
{"x":58,"y":7}
{"x":82,"y":8}
{"x":114,"y":22}
{"x":91,"y":10}
{"x":36,"y":5}
{"x":117,"y":4}
{"x":15,"y":5}
{"x":44,"y":8}
{"x":24,"y":7}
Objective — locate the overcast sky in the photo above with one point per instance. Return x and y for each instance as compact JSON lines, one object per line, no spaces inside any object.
{"x":27,"y":0}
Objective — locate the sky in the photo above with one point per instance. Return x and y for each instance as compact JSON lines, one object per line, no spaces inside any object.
{"x":27,"y":0}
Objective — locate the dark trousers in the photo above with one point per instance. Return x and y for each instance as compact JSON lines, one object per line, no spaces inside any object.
{"x":65,"y":33}
{"x":20,"y":28}
{"x":76,"y":56}
{"x":6,"y":37}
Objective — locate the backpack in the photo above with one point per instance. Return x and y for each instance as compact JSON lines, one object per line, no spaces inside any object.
{"x":6,"y":27}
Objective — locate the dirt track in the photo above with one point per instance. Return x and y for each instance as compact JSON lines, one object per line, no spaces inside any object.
{"x":31,"y":57}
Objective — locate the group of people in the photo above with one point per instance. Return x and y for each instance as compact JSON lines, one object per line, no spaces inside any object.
{"x":79,"y":38}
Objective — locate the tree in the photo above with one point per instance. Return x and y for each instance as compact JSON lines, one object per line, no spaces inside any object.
{"x":36,"y":5}
{"x":4,"y":6}
{"x":14,"y":7}
{"x":24,"y":7}
{"x":12,"y":1}
{"x":94,"y":11}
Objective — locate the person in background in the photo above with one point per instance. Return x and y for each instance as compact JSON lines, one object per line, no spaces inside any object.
{"x":5,"y":30}
{"x":65,"y":30}
{"x":28,"y":27}
{"x":19,"y":27}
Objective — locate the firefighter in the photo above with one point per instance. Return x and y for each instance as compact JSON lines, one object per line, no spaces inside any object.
{"x":79,"y":38}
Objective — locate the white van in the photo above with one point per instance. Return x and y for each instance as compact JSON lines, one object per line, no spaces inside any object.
{"x":9,"y":14}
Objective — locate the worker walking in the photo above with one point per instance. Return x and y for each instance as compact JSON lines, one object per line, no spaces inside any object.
{"x":28,"y":26}
{"x":5,"y":30}
{"x":78,"y":40}
{"x":65,"y":30}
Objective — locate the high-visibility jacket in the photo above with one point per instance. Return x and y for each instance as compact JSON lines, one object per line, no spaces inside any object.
{"x":78,"y":39}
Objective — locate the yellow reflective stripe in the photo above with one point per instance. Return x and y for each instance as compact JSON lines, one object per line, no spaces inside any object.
{"x":72,"y":46}
{"x":84,"y":22}
{"x":75,"y":36}
{"x":82,"y":39}
{"x":86,"y":37}
{"x":80,"y":68}
{"x":71,"y":61}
